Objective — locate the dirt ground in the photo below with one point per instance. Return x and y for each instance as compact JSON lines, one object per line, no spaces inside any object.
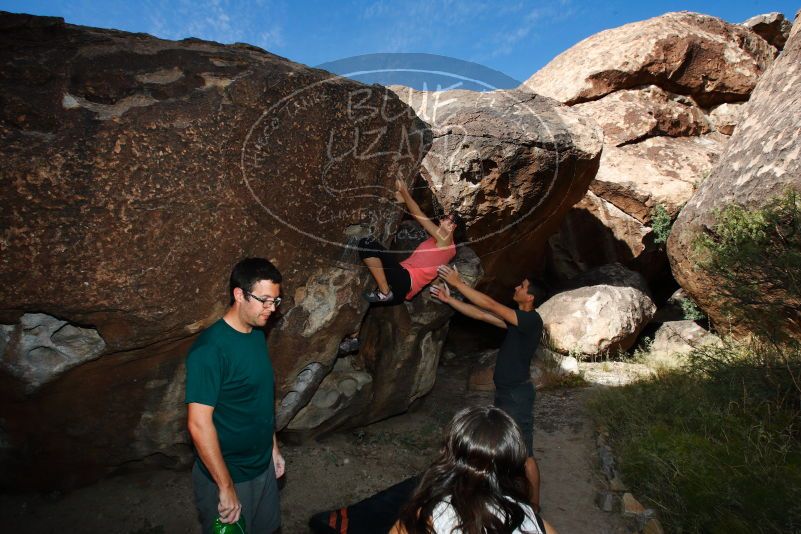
{"x":344,"y":468}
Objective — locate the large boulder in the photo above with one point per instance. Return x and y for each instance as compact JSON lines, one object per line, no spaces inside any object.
{"x":136,"y":172}
{"x":512,"y":163}
{"x":761,"y":161}
{"x":685,"y":53}
{"x":603,"y":313}
{"x":660,"y":171}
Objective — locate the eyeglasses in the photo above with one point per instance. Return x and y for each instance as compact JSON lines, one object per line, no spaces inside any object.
{"x":265,"y":301}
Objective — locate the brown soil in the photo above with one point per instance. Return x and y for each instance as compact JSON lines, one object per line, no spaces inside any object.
{"x":341,"y":469}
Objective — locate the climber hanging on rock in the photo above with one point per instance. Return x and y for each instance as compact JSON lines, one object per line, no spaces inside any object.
{"x":399,"y":281}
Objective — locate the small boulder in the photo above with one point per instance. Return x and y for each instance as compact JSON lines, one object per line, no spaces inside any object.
{"x":677,"y":338}
{"x":772,"y":27}
{"x":725,"y":117}
{"x":604,"y":314}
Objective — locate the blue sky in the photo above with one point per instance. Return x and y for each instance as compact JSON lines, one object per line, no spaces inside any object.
{"x":515,"y":37}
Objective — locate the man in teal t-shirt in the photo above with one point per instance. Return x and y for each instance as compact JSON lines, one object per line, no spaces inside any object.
{"x":229,"y":396}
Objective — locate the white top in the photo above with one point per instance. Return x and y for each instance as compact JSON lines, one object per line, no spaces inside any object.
{"x":445,"y":520}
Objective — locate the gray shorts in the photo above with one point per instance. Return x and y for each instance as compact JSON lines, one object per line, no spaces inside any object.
{"x":259,"y":498}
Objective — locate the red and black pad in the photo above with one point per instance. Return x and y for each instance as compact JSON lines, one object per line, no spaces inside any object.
{"x":374,"y":514}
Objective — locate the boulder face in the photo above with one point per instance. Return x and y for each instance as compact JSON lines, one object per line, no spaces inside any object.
{"x":762,"y":160}
{"x":685,"y":53}
{"x":512,"y":163}
{"x":659,"y":171}
{"x":631,"y":115}
{"x":667,"y":93}
{"x":604,"y":313}
{"x":403,"y":345}
{"x":137,"y":171}
{"x":772,"y":27}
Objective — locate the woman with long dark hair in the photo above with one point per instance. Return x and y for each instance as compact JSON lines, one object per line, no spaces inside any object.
{"x":478,"y":483}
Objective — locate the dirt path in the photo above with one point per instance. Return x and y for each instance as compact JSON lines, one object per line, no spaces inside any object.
{"x":341,"y":469}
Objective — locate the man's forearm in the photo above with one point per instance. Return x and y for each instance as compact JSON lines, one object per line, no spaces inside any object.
{"x":473,"y":295}
{"x":208,"y":448}
{"x":466,"y":309}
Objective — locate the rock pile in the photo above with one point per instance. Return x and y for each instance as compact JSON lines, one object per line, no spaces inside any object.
{"x":761,"y":162}
{"x":667,"y":92}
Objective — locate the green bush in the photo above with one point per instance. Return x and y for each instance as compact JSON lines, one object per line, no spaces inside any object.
{"x":690,"y":310}
{"x":755,"y":257}
{"x":714,"y":447}
{"x":661,"y":224}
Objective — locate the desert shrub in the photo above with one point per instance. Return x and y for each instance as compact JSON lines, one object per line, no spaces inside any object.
{"x":714,"y":447}
{"x":661,"y":224}
{"x":755,"y":257}
{"x":690,"y":310}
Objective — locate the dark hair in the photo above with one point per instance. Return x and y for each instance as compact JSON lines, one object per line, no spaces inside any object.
{"x":537,"y":290}
{"x":248,"y":272}
{"x":481,"y":470}
{"x":460,"y":232}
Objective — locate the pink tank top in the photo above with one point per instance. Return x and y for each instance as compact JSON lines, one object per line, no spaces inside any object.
{"x":422,"y":264}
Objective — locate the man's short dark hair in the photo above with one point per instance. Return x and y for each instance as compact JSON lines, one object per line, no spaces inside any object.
{"x":248,"y":272}
{"x":537,"y":290}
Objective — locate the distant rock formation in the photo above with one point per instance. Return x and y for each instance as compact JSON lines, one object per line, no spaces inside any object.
{"x":761,"y":161}
{"x":685,"y":53}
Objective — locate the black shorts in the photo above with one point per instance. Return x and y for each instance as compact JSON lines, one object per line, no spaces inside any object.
{"x":398,"y":278}
{"x":518,"y":402}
